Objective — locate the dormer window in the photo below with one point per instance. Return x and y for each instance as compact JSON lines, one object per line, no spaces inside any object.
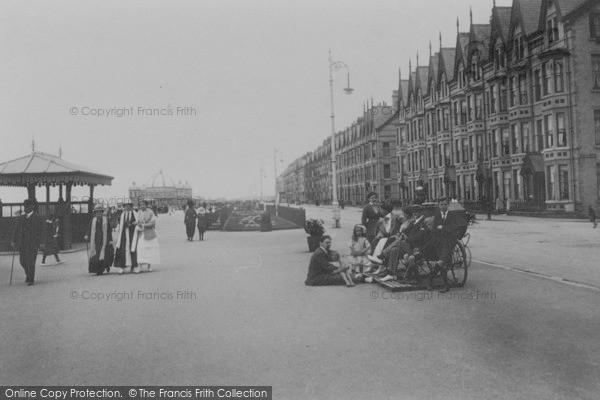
{"x":500,"y":58}
{"x":552,"y":31}
{"x":518,"y":49}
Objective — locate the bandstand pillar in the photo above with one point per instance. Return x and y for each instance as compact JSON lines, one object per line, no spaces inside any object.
{"x":68,"y":239}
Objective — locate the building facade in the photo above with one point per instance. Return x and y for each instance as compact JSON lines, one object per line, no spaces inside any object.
{"x":510,"y":113}
{"x":162,"y":190}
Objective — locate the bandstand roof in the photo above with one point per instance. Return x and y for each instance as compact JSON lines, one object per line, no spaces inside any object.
{"x":42,"y":168}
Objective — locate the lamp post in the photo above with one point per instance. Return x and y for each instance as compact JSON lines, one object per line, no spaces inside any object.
{"x":276,"y":150}
{"x":263,"y":174}
{"x":335,"y":66}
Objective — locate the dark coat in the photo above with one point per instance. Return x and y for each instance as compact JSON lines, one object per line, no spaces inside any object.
{"x":28,"y":232}
{"x":370,"y":217}
{"x":320,"y":272}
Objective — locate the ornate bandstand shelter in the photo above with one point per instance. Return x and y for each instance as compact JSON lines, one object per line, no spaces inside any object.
{"x":47,"y":170}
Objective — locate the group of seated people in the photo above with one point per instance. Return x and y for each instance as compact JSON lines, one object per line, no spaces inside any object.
{"x":400,"y":243}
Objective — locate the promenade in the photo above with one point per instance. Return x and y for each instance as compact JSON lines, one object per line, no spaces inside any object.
{"x":234,"y":310}
{"x":562,"y":249}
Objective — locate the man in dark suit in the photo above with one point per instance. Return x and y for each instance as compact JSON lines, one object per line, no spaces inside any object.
{"x":445,"y":228}
{"x":322,"y":271}
{"x":27,"y":239}
{"x":370,"y":216}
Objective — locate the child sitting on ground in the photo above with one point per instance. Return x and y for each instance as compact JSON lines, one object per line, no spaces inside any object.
{"x":343,"y":270}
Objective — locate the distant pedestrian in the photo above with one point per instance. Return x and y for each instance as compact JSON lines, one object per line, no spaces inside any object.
{"x":592,"y":214}
{"x":27,"y":238}
{"x":190,"y":220}
{"x":202,"y":220}
{"x":99,"y":234}
{"x":52,"y":234}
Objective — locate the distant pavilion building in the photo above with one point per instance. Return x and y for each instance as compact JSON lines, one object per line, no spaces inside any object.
{"x":162,"y":190}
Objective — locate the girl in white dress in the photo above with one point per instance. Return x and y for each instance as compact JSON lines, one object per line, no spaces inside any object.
{"x":148,"y":252}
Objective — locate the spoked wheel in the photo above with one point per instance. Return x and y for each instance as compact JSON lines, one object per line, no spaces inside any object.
{"x":460,"y":264}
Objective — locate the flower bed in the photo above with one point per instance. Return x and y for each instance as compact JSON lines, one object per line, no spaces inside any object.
{"x":250,"y":221}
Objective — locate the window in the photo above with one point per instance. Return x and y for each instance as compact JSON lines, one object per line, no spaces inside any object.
{"x":457,"y":151}
{"x":387,"y":171}
{"x":386,"y":149}
{"x":522,"y":89}
{"x":545,"y":78}
{"x":479,"y":144}
{"x":496,"y":141}
{"x":537,"y":85}
{"x":478,"y":106}
{"x":561,"y":138}
{"x":515,"y":139}
{"x":493,"y":99}
{"x":513,"y":91}
{"x":549,"y":133}
{"x":552,"y":30}
{"x":539,"y":134}
{"x":387,"y":191}
{"x":505,"y":141}
{"x":559,"y":80}
{"x":550,"y":182}
{"x":525,"y":137}
{"x":597,"y":126}
{"x":596,"y":71}
{"x":595,"y":25}
{"x":563,"y":182}
{"x":465,"y":150}
{"x":429,"y":158}
{"x":503,"y":97}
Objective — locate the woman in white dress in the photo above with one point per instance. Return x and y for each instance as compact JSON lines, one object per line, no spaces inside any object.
{"x":148,"y":253}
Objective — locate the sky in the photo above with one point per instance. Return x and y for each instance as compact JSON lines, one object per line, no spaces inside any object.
{"x":203,"y":90}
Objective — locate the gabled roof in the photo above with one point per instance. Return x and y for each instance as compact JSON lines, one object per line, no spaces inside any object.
{"x":447,"y":56}
{"x":564,"y":7}
{"x":422,"y":73}
{"x":500,"y":22}
{"x":526,"y":14}
{"x":434,"y":65}
{"x":479,"y":34}
{"x":410,"y":93}
{"x":403,"y":92}
{"x":462,"y":40}
{"x":42,"y":168}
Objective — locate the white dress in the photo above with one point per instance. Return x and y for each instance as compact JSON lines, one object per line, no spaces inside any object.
{"x":148,"y":251}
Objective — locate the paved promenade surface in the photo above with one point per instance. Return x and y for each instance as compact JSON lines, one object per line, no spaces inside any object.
{"x":233,"y":310}
{"x":562,"y":248}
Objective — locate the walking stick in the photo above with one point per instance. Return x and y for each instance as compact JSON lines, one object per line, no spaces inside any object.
{"x":12,"y":266}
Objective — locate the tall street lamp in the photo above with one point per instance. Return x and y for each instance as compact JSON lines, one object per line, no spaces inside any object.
{"x":276,"y":150}
{"x":263,"y":174}
{"x":335,"y":66}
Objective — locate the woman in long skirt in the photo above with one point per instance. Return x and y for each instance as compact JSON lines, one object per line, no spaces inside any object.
{"x":190,"y":220}
{"x":148,"y":252}
{"x":99,"y":234}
